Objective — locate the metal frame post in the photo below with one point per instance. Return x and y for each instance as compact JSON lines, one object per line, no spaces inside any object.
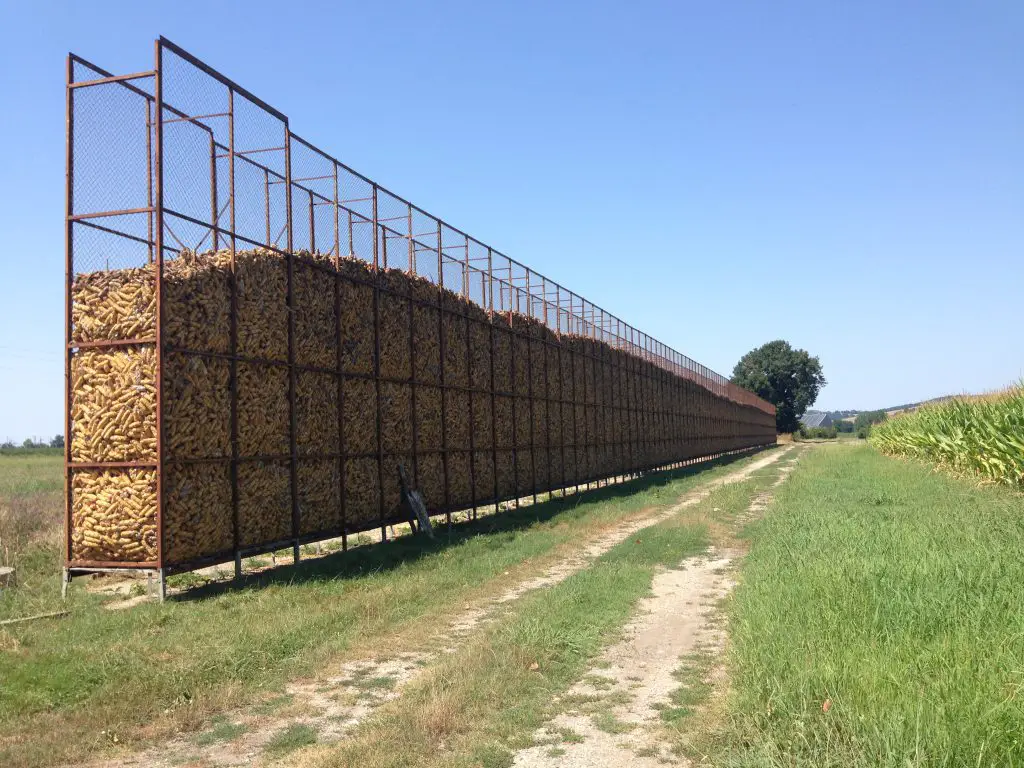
{"x":236,"y":533}
{"x":293,"y":449}
{"x":159,"y":215}
{"x":443,"y":347}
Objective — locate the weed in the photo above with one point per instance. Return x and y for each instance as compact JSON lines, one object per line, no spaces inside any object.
{"x":569,"y":736}
{"x":598,"y":682}
{"x":272,"y":705}
{"x":225,"y":731}
{"x":289,"y":739}
{"x":609,"y":723}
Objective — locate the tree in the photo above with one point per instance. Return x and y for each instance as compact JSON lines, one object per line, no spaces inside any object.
{"x":57,"y":442}
{"x":869,"y":418}
{"x":788,"y":378}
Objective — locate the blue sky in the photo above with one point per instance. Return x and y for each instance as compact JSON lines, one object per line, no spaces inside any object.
{"x":846,"y":176}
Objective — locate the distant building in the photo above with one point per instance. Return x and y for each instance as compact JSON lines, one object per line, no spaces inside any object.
{"x":816,"y":419}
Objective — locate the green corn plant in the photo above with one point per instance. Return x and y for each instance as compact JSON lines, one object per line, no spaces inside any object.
{"x":982,"y":436}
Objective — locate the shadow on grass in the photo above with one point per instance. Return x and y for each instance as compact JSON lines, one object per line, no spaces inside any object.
{"x":383,"y":556}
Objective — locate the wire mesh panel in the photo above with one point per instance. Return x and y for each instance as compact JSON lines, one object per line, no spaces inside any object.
{"x":278,"y":338}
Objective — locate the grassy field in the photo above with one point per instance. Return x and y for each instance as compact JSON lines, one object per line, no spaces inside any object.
{"x":31,"y":516}
{"x":879,"y":621}
{"x":68,"y":684}
{"x":981,"y":436}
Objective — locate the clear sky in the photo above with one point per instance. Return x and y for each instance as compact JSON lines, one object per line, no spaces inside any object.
{"x":848,"y":176}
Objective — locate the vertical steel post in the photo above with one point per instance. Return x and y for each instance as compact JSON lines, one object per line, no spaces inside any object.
{"x":545,"y":346}
{"x":470,"y":389}
{"x":622,"y":444}
{"x":312,"y":223}
{"x":444,"y":382}
{"x":575,"y":400}
{"x":599,"y":422}
{"x":490,"y":331}
{"x":149,"y":175}
{"x":412,"y":243}
{"x":233,"y":330}
{"x":215,"y":235}
{"x":637,"y":382}
{"x":351,"y":245}
{"x":562,"y":341}
{"x":340,"y":359}
{"x":159,"y":236}
{"x":512,"y":379}
{"x":529,"y":389}
{"x":411,"y":304}
{"x":266,"y":197}
{"x":376,"y":361}
{"x":69,"y":265}
{"x":292,"y":373}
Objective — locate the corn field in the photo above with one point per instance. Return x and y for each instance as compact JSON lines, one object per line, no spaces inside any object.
{"x":975,"y":436}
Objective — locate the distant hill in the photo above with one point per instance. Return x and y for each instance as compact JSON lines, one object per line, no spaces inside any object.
{"x":850,"y":415}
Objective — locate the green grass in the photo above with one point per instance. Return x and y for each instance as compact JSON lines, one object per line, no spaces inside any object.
{"x":273,"y":704}
{"x":692,"y":692}
{"x":36,"y":450}
{"x":894,"y":593}
{"x":223,"y":731}
{"x":31,"y":521}
{"x":156,"y":668}
{"x":289,"y":739}
{"x":569,"y":736}
{"x":609,"y":723}
{"x":981,"y":436}
{"x":31,"y":473}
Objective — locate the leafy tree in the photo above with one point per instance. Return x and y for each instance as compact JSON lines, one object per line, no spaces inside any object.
{"x":786,"y":377}
{"x":57,"y":441}
{"x":844,"y":426}
{"x":869,"y":418}
{"x":816,"y":433}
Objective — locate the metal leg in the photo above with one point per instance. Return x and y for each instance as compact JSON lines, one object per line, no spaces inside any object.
{"x":238,"y":565}
{"x":163,"y":585}
{"x":65,"y":581}
{"x":295,"y":553}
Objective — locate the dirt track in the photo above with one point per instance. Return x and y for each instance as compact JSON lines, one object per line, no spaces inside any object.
{"x":637,"y":675}
{"x":670,"y":624}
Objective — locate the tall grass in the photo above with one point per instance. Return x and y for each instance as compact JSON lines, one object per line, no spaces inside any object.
{"x":879,"y":622}
{"x":967,"y":435}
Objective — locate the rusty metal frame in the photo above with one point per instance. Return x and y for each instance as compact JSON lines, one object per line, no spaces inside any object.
{"x":617,"y":387}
